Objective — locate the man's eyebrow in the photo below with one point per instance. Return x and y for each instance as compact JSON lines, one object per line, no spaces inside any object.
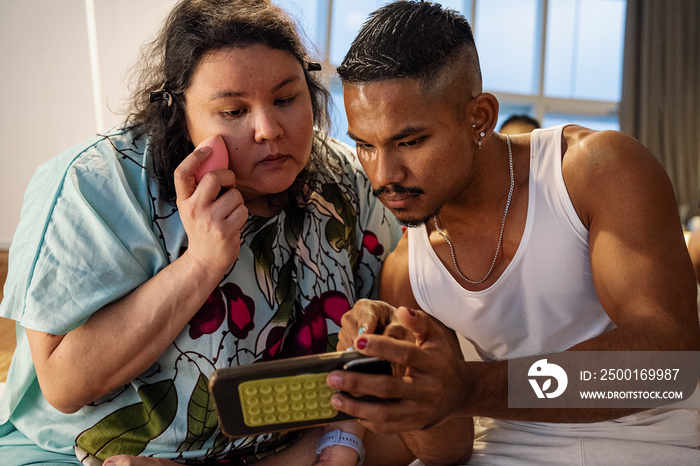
{"x":353,"y":137}
{"x":229,"y":94}
{"x":406,"y":132}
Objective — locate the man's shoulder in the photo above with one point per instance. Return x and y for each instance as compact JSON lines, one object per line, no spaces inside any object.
{"x":599,"y":157}
{"x":396,"y":282}
{"x":599,"y":146}
{"x":399,"y":256}
{"x":602,"y":168}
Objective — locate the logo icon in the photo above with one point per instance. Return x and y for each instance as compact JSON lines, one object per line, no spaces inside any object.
{"x":542,"y":368}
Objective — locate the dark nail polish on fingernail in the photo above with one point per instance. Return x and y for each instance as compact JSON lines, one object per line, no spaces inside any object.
{"x":361,"y":343}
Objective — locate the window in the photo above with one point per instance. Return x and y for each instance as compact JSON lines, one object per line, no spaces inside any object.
{"x":584,"y":49}
{"x":556,"y":60}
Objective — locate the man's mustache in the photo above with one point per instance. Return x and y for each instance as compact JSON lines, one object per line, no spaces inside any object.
{"x":396,"y":189}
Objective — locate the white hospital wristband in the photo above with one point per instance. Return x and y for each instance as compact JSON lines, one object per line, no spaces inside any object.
{"x":338,"y":437}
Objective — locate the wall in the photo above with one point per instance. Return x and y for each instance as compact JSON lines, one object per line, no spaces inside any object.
{"x":7,"y":327}
{"x":47,"y":80}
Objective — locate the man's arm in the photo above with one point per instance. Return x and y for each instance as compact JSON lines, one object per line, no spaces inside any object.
{"x":447,"y":442}
{"x":641,"y":272}
{"x":641,"y":269}
{"x":694,"y":251}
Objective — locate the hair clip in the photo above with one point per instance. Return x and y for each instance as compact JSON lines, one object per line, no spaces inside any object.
{"x":313,"y":66}
{"x":161,"y":94}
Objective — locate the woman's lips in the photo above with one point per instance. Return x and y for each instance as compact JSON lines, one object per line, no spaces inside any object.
{"x":274,"y":160}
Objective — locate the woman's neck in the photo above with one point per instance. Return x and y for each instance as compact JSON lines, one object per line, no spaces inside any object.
{"x":266,"y":205}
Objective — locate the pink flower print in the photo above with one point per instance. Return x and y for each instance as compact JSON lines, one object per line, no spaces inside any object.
{"x":334,"y":304}
{"x":210,"y":316}
{"x":372,"y":244}
{"x":273,"y":342}
{"x":309,"y":334}
{"x":241,"y":309}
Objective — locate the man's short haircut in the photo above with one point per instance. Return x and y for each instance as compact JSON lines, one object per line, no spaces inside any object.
{"x":408,"y":39}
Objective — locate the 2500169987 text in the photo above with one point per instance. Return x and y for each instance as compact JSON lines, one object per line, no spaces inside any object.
{"x":638,"y":374}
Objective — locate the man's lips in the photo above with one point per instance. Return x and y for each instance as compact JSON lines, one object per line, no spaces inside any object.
{"x":398,"y":201}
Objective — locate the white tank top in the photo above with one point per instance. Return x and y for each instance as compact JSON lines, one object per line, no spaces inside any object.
{"x":543,"y":302}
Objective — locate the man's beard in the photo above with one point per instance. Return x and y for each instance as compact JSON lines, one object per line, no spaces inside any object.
{"x":412,"y":223}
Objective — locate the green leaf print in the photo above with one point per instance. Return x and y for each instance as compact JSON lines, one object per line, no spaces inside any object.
{"x":201,"y":416}
{"x":337,"y":234}
{"x":341,"y":235}
{"x":220,"y":443}
{"x":286,"y":293}
{"x":265,"y":259}
{"x":332,"y":343}
{"x":343,"y":206}
{"x":293,"y":224}
{"x":127,"y":431}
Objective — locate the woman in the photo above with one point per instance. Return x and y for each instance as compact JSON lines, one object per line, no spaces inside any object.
{"x":131,"y":282}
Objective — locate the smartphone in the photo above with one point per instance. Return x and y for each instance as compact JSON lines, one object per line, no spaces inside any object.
{"x":284,"y":394}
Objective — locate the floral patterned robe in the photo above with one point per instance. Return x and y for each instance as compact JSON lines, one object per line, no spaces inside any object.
{"x":93,"y":228}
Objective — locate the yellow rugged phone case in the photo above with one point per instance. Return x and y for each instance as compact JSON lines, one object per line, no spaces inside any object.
{"x":297,"y":398}
{"x":286,"y":394}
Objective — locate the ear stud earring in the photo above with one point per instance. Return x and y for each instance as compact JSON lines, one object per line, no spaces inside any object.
{"x":481,"y":134}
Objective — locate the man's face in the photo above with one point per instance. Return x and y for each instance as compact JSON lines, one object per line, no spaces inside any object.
{"x":414,"y":144}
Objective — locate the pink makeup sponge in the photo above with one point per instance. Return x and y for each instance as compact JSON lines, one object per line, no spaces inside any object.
{"x":217,"y":160}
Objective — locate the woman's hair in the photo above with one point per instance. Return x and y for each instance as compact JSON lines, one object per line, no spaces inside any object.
{"x":194,"y":28}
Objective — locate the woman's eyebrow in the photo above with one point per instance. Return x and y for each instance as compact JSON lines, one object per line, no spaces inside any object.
{"x":229,"y":93}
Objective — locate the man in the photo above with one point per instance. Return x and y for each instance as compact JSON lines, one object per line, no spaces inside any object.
{"x":562,"y":239}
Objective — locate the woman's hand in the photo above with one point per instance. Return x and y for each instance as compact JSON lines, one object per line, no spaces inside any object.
{"x":213,"y":222}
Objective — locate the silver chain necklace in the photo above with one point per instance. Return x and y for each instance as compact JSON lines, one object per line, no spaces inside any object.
{"x":503,"y":225}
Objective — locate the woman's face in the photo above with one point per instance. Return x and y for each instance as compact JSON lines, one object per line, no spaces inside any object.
{"x":257,"y":99}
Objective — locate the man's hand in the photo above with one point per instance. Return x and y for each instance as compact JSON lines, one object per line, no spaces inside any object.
{"x":431,"y":391}
{"x":371,"y":317}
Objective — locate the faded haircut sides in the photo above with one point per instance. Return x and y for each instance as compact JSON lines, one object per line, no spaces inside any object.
{"x":408,"y":39}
